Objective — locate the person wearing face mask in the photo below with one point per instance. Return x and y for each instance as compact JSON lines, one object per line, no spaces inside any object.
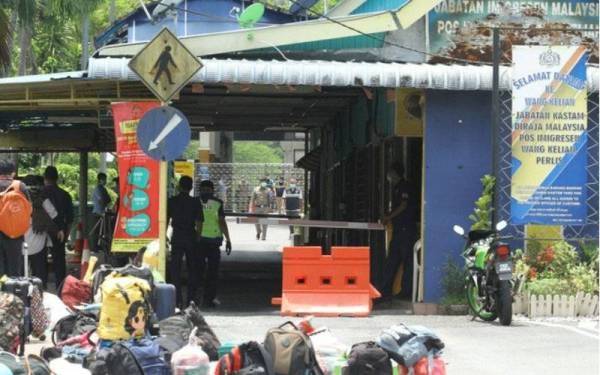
{"x":186,"y":216}
{"x":403,"y":218}
{"x":211,"y":239}
{"x":261,"y":203}
{"x":279,"y":191}
{"x":292,"y":197}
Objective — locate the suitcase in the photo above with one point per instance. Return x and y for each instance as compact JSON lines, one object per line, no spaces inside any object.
{"x":19,"y":286}
{"x":163,"y":300}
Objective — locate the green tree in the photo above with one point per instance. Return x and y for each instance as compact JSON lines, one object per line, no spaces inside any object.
{"x":257,"y":152}
{"x":5,"y":38}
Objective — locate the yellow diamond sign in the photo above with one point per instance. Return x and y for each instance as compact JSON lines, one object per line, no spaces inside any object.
{"x":165,"y":65}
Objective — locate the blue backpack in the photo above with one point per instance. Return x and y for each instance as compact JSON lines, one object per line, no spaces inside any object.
{"x":148,"y":355}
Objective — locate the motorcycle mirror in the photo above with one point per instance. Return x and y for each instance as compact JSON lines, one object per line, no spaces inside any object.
{"x":501,"y":225}
{"x":459,"y":230}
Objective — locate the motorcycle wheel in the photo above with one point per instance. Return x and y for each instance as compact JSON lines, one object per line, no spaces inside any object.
{"x":505,"y":302}
{"x":476,"y":304}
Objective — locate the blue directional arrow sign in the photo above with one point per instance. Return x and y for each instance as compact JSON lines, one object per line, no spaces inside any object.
{"x":163,"y":133}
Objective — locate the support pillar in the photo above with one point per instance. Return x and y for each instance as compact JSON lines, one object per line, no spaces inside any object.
{"x":83,"y":189}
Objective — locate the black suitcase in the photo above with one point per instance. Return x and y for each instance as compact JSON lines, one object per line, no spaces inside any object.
{"x":19,"y":286}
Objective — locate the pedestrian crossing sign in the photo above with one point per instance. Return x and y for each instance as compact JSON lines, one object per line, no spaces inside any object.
{"x":165,"y":65}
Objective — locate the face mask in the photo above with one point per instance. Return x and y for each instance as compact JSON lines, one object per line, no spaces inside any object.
{"x":206,"y":196}
{"x":292,"y":186}
{"x":263,"y":184}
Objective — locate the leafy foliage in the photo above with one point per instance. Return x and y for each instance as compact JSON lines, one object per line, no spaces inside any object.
{"x":558,"y":269}
{"x":453,"y":284}
{"x":257,"y":152}
{"x":482,"y":215}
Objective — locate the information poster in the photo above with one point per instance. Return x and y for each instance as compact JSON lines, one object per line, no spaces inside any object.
{"x":549,"y":123}
{"x":137,"y":219}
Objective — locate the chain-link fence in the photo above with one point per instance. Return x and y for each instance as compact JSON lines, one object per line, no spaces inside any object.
{"x":235,"y":182}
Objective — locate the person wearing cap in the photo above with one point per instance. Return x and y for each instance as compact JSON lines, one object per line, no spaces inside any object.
{"x":214,"y":229}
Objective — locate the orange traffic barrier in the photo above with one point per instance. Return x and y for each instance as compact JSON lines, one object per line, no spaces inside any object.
{"x":78,"y":243}
{"x":326,"y":285}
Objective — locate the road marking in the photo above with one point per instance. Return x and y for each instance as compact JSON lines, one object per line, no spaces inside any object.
{"x":568,"y":328}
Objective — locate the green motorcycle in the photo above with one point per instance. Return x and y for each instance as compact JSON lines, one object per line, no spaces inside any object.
{"x":489,"y":274}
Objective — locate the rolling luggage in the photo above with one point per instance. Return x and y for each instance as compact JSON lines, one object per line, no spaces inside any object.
{"x":24,"y":288}
{"x":163,"y":300}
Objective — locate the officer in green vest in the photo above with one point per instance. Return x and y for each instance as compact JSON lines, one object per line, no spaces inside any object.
{"x":214,"y":228}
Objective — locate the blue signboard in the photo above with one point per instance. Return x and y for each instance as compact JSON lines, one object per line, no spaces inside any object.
{"x":163,"y":133}
{"x":549,"y":135}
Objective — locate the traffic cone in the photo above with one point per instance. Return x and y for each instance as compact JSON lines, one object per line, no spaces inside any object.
{"x":78,"y":244}
{"x":85,"y":258}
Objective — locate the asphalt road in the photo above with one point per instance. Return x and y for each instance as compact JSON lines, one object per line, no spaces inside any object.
{"x":252,"y":275}
{"x":472,"y":347}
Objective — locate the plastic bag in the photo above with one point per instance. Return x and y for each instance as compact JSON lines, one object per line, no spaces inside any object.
{"x":190,"y":359}
{"x":330,"y":351}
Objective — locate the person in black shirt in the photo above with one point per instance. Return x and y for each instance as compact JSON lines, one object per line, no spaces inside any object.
{"x":403,"y":217}
{"x":63,"y":203}
{"x":11,"y":259}
{"x":185,"y":213}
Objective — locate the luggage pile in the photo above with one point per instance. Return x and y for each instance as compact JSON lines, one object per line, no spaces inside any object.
{"x":123,"y":321}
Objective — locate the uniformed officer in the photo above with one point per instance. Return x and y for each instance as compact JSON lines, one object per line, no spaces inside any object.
{"x":292,"y":197}
{"x":211,"y":239}
{"x":403,"y":217}
{"x":185,"y":213}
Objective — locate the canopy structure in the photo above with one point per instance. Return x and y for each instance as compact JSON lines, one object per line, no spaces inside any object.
{"x":226,"y":94}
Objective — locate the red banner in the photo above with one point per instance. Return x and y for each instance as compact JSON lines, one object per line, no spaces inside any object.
{"x":137,"y":220}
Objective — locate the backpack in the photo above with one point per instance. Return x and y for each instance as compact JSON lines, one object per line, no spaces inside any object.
{"x":292,"y":351}
{"x":247,"y":358}
{"x":41,"y":222}
{"x":74,"y":291}
{"x":100,"y":274}
{"x":144,"y":273}
{"x":367,"y":358}
{"x":125,"y":308}
{"x":114,"y":360}
{"x":147,"y":354}
{"x":12,"y":312}
{"x":73,"y":325}
{"x":15,"y":211}
{"x":179,"y":327}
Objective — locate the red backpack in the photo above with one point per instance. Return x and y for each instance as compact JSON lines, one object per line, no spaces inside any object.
{"x":15,"y":211}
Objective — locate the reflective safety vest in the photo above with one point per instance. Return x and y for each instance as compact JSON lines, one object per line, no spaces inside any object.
{"x":210,"y":226}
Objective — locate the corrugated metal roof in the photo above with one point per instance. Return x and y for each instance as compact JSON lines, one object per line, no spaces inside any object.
{"x":333,"y":73}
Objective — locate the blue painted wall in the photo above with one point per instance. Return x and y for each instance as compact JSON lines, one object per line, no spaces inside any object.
{"x":457,"y":155}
